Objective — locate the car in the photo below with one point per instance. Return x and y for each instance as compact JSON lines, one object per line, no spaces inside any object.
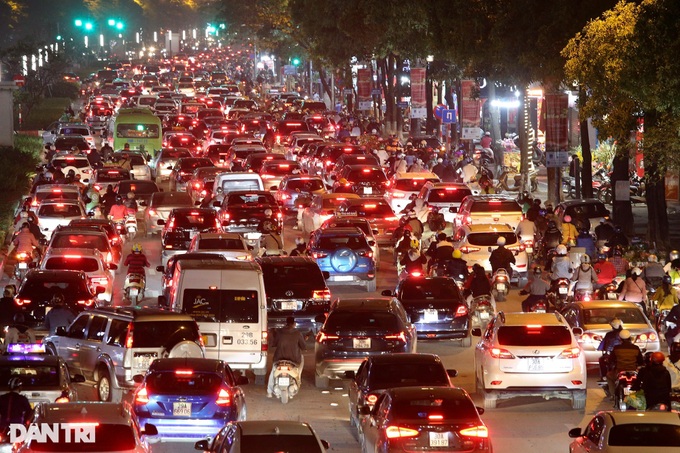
{"x":243,"y":211}
{"x":185,"y":141}
{"x":404,"y":185}
{"x":109,"y":176}
{"x":51,"y":214}
{"x":425,"y":419}
{"x":167,"y":271}
{"x":491,"y":209}
{"x":272,"y":172}
{"x":160,"y":206}
{"x":53,"y":192}
{"x":345,"y":254}
{"x":88,"y":260}
{"x":189,"y":399}
{"x":363,"y":225}
{"x":85,"y":237}
{"x":298,"y":141}
{"x":530,"y":354}
{"x":377,"y":212}
{"x":182,"y":225}
{"x":295,"y":286}
{"x":586,"y":213}
{"x":162,"y":164}
{"x":111,"y":345}
{"x":231,"y":246}
{"x":138,"y":163}
{"x":436,"y":306}
{"x":218,"y":154}
{"x":108,"y":227}
{"x":114,"y":428}
{"x":253,"y":163}
{"x":325,"y":126}
{"x":359,"y":328}
{"x":76,"y":162}
{"x":348,"y":159}
{"x":67,"y":142}
{"x":632,"y":431}
{"x":325,"y":158}
{"x":447,"y":196}
{"x":363,"y":180}
{"x":264,"y":435}
{"x":378,"y":373}
{"x":238,"y":154}
{"x":285,"y":127}
{"x":322,"y":208}
{"x":293,"y":186}
{"x":143,"y":191}
{"x":593,"y":318}
{"x":184,"y":169}
{"x":477,"y":241}
{"x":77,"y":129}
{"x":430,"y":140}
{"x":201,"y":183}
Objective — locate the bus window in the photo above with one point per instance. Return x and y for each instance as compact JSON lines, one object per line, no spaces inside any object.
{"x":138,"y":131}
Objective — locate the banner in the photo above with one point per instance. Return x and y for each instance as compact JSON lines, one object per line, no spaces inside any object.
{"x":364,"y":83}
{"x":556,"y":122}
{"x":418,"y":97}
{"x":470,"y":107}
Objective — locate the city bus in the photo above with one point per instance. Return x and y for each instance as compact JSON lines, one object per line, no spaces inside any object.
{"x":138,"y":127}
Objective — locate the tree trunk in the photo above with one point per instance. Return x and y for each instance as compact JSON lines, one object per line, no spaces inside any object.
{"x":324,"y":82}
{"x":587,"y":164}
{"x":657,"y":216}
{"x":622,"y":209}
{"x":494,"y":114}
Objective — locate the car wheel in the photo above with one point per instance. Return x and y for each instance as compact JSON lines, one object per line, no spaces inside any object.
{"x":321,"y":382}
{"x":371,"y":285}
{"x":104,"y":390}
{"x":466,"y":342}
{"x":51,"y":350}
{"x":578,"y":400}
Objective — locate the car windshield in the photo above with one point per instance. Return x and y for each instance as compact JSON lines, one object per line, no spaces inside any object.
{"x":221,"y":305}
{"x":363,"y":225}
{"x":447,"y":195}
{"x":496,"y":206}
{"x":605,"y":315}
{"x":276,"y":277}
{"x":34,"y":288}
{"x":153,"y":334}
{"x":216,"y":150}
{"x":251,"y":199}
{"x":449,"y":408}
{"x":70,"y":162}
{"x":174,"y":154}
{"x":405,"y":374}
{"x":74,"y":131}
{"x":138,"y":187}
{"x":229,"y":185}
{"x":195,"y":219}
{"x":190,"y":164}
{"x":534,"y":335}
{"x":589,"y":210}
{"x":644,"y":435}
{"x":304,"y":185}
{"x":280,"y":169}
{"x":361,"y":320}
{"x":171,"y":199}
{"x":331,"y":243}
{"x":32,"y":376}
{"x":287,"y":128}
{"x":72,"y":263}
{"x":430,"y":289}
{"x":412,"y":184}
{"x":220,"y":244}
{"x":368,"y":210}
{"x":491,"y":238}
{"x":65,"y":195}
{"x":182,"y":382}
{"x":112,"y":175}
{"x":108,"y":437}
{"x":275,"y":443}
{"x":98,"y":241}
{"x":59,"y":210}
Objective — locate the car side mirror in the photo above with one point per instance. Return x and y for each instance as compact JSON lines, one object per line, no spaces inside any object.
{"x":160,"y":269}
{"x":577,"y":331}
{"x":325,"y":444}
{"x":217,"y":204}
{"x":375,"y":231}
{"x":350,"y":374}
{"x":143,"y":203}
{"x":138,"y":378}
{"x":61,"y":331}
{"x":387,"y":293}
{"x":160,"y":222}
{"x":320,"y":318}
{"x":371,"y":243}
{"x":476,"y":332}
{"x":452,"y":373}
{"x":113,"y":267}
{"x":77,"y":378}
{"x":480,"y":410}
{"x":326,"y":275}
{"x":453,"y":210}
{"x":149,"y":430}
{"x":202,"y":445}
{"x":575,"y":432}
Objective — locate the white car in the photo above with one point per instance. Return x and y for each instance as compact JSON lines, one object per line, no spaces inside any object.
{"x":54,"y":192}
{"x":495,"y":209}
{"x":78,"y":129}
{"x":403,"y":185}
{"x":447,"y":196}
{"x":76,"y":162}
{"x":232,"y":246}
{"x":140,"y":166}
{"x":59,"y":212}
{"x":90,"y":261}
{"x":630,"y":432}
{"x":530,"y":354}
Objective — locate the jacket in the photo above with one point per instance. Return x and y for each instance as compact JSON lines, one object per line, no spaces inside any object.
{"x":655,"y":380}
{"x":606,"y":272}
{"x":610,"y":340}
{"x":501,"y":258}
{"x":584,"y":278}
{"x":625,"y":357}
{"x":58,"y":316}
{"x":561,"y":268}
{"x":666,"y":300}
{"x":118,"y":212}
{"x":569,"y":233}
{"x":136,"y":263}
{"x":289,"y":344}
{"x":479,"y":285}
{"x":14,"y":408}
{"x":25,"y":241}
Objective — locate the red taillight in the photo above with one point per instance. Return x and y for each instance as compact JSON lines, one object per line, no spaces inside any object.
{"x":62,"y":399}
{"x":395,"y":432}
{"x":400,"y":336}
{"x":318,"y":255}
{"x":321,"y":337}
{"x":197,"y":185}
{"x":86,"y":303}
{"x":21,"y":302}
{"x":223,"y":398}
{"x":324,"y":294}
{"x":264,"y":344}
{"x":462,"y":310}
{"x":468,"y":249}
{"x":152,"y":212}
{"x":141,"y":396}
{"x":367,"y":254}
{"x":499,"y":353}
{"x":475,"y":431}
{"x":129,"y":338}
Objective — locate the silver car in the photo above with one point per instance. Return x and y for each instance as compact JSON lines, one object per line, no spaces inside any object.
{"x":159,"y":208}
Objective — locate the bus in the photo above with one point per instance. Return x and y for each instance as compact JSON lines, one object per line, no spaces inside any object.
{"x":139,"y":127}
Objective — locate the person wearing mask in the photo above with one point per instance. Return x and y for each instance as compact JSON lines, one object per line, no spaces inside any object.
{"x":534,"y":210}
{"x":289,"y":344}
{"x":19,"y":332}
{"x":14,"y":407}
{"x":536,"y":289}
{"x":610,"y":340}
{"x":417,"y":167}
{"x":584,"y":277}
{"x":624,"y":357}
{"x":634,"y":288}
{"x":136,"y":261}
{"x":106,"y":152}
{"x":478,"y":284}
{"x":604,"y":232}
{"x":59,"y":315}
{"x":108,"y":199}
{"x":501,"y":258}
{"x":414,"y":224}
{"x":620,"y":263}
{"x":569,"y":232}
{"x":665,"y":297}
{"x":655,"y":380}
{"x":51,"y":152}
{"x":606,"y":272}
{"x":653,"y":272}
{"x":300,"y":247}
{"x":413,"y":261}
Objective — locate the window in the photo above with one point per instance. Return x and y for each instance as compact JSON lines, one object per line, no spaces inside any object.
{"x":220,"y":244}
{"x":306,"y":276}
{"x":221,"y":305}
{"x":290,"y":443}
{"x":426,"y":290}
{"x":229,"y":185}
{"x":152,"y":334}
{"x":59,"y":210}
{"x":195,"y":219}
{"x":32,"y":376}
{"x":251,"y":199}
{"x":491,"y":238}
{"x":332,"y":243}
{"x":403,"y":374}
{"x":305,"y":185}
{"x":496,"y":206}
{"x":97,"y":328}
{"x":364,"y":321}
{"x":594,"y":430}
{"x":605,"y":315}
{"x":77,"y":329}
{"x":645,"y":435}
{"x":411,"y":184}
{"x":75,"y":264}
{"x":140,"y":130}
{"x":452,"y":195}
{"x":368,"y":210}
{"x":534,"y":336}
{"x":117,"y":333}
{"x":456,"y":408}
{"x":171,"y":383}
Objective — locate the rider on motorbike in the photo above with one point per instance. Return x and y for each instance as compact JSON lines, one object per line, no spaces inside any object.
{"x":501,"y":258}
{"x":673,"y":256}
{"x":561,"y":265}
{"x":14,"y":407}
{"x":478,"y":284}
{"x":413,"y":261}
{"x":25,"y":241}
{"x":118,"y":211}
{"x":624,"y":357}
{"x":271,"y":240}
{"x":403,"y":246}
{"x":289,"y":344}
{"x":569,"y":232}
{"x":458,"y":266}
{"x":666,"y":297}
{"x":619,"y":262}
{"x":526,"y":230}
{"x":136,"y":261}
{"x":655,"y":380}
{"x":634,"y":288}
{"x":653,"y":272}
{"x":606,"y":272}
{"x":131,"y":204}
{"x":610,"y":340}
{"x":536,"y":289}
{"x":440,"y":252}
{"x":585,"y":240}
{"x":584,"y":276}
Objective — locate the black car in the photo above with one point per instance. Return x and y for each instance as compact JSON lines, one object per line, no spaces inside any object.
{"x":435,"y":306}
{"x":142,"y":190}
{"x":168,"y":271}
{"x":184,"y":169}
{"x":244,"y":211}
{"x":181,"y":227}
{"x":363,"y":180}
{"x":379,"y":373}
{"x":295,"y":286}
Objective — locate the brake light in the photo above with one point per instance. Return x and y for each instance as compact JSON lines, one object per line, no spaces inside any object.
{"x":21,"y":302}
{"x":570,"y":353}
{"x":56,"y":190}
{"x":644,"y":337}
{"x":435,"y":417}
{"x":395,"y":432}
{"x":475,"y":431}
{"x":398,"y":195}
{"x":142,"y":396}
{"x":99,"y":281}
{"x":264,"y":344}
{"x":87,"y":303}
{"x":468,"y":249}
{"x":129,"y":338}
{"x":400,"y":336}
{"x":197,"y":185}
{"x":266,"y":176}
{"x":317,"y":255}
{"x":370,"y":206}
{"x":152,"y":212}
{"x":223,"y":398}
{"x":499,"y":353}
{"x":184,"y":372}
{"x":368,"y":254}
{"x":321,"y":337}
{"x":22,"y":256}
{"x":62,"y":399}
{"x":462,"y":310}
{"x":324,"y":294}
{"x":371,"y":399}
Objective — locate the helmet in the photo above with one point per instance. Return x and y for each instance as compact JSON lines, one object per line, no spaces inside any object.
{"x":561,"y":249}
{"x":19,"y":318}
{"x":299,"y":240}
{"x":58,"y":298}
{"x":667,"y":279}
{"x":538,"y":270}
{"x":501,"y":241}
{"x":48,"y":176}
{"x":602,"y":256}
{"x":23,"y":214}
{"x":657,"y":357}
{"x":457,"y":254}
{"x":487,"y":133}
{"x":415,"y":244}
{"x":137,"y":248}
{"x":71,"y":173}
{"x":637,"y":271}
{"x":616,"y":324}
{"x":131,"y":195}
{"x":618,"y":251}
{"x":624,"y":334}
{"x":652,"y":258}
{"x":440,"y":160}
{"x":268,"y":212}
{"x":15,"y":383}
{"x":441,"y":236}
{"x":567,"y":218}
{"x":674,"y":255}
{"x":585,"y":259}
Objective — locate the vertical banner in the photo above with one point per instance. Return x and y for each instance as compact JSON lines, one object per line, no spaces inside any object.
{"x":364,"y":79}
{"x":470,"y":107}
{"x":418,"y":97}
{"x":556,"y":122}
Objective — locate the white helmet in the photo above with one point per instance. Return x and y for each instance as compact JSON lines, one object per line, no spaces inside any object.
{"x":624,"y":334}
{"x":500,"y":241}
{"x":585,"y":259}
{"x":616,"y":323}
{"x":674,"y":255}
{"x":652,"y":258}
{"x":561,"y":249}
{"x":637,"y":271}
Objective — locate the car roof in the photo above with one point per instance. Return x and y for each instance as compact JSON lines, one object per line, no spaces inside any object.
{"x":523,"y":319}
{"x":54,"y":275}
{"x":113,"y":413}
{"x":488,"y":228}
{"x":596,"y":304}
{"x":222,"y":265}
{"x":52,"y":187}
{"x":634,"y":417}
{"x":279,"y":427}
{"x":192,"y":363}
{"x":405,"y":358}
{"x":364,"y":304}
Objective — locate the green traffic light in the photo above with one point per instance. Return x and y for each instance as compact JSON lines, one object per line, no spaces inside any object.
{"x":119,"y":25}
{"x":296,"y":61}
{"x":78,"y":22}
{"x":58,"y":37}
{"x":211,"y":29}
{"x":88,"y":26}
{"x":112,"y":22}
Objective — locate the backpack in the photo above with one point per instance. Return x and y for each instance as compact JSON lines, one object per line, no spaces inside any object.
{"x":22,"y":337}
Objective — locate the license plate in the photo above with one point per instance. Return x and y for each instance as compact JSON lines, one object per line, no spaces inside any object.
{"x":563,"y":290}
{"x":535,"y":364}
{"x":530,"y":250}
{"x":431,"y":315}
{"x":142,"y":362}
{"x":181,"y":409}
{"x":342,"y":278}
{"x":284,"y":381}
{"x":626,"y":391}
{"x":612,"y":296}
{"x":484,"y":315}
{"x":361,"y":343}
{"x":134,"y":292}
{"x":500,"y":287}
{"x":439,"y":439}
{"x":368,"y":190}
{"x":23,"y":265}
{"x":252,"y":235}
{"x":289,"y":305}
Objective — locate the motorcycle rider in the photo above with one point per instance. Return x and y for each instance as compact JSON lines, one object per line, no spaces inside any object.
{"x":585,"y":240}
{"x":569,"y":232}
{"x":606,"y":272}
{"x":618,"y":238}
{"x":59,"y":315}
{"x":439,"y":167}
{"x":604,"y":232}
{"x":552,"y":237}
{"x":610,"y":340}
{"x":413,"y":261}
{"x":402,"y":246}
{"x":673,"y":256}
{"x":634,"y":288}
{"x":620,"y":263}
{"x":624,"y":357}
{"x":458,"y":266}
{"x":674,"y":330}
{"x":118,"y":211}
{"x":655,"y":380}
{"x":526,"y":229}
{"x":131,"y":204}
{"x":136,"y":261}
{"x":478,"y":284}
{"x":666,"y":297}
{"x":536,"y":289}
{"x":19,"y":332}
{"x":584,"y":276}
{"x":440,"y":252}
{"x":561,"y":266}
{"x":289,"y":344}
{"x":414,"y":224}
{"x":14,"y":407}
{"x":25,"y":241}
{"x":108,"y":199}
{"x":300,"y":247}
{"x":271,"y":240}
{"x":501,"y":258}
{"x":653,"y":272}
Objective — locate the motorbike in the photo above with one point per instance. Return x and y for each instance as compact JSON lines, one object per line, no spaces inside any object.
{"x":23,"y":263}
{"x":624,"y":382}
{"x":500,"y":284}
{"x":134,"y":287}
{"x":131,"y":226}
{"x":540,"y":306}
{"x":502,"y":184}
{"x":481,"y":311}
{"x":120,"y":228}
{"x":559,"y":292}
{"x":286,"y":380}
{"x":583,"y":295}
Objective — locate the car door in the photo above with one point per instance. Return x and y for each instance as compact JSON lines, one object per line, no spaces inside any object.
{"x":592,"y":439}
{"x":357,"y":389}
{"x":92,"y":347}
{"x":69,"y":345}
{"x":374,"y":423}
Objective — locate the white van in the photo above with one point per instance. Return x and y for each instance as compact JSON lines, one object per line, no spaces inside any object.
{"x":228,"y":301}
{"x":230,"y":181}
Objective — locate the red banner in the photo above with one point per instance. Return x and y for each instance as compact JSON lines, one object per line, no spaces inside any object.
{"x":556,"y":122}
{"x":471,"y":107}
{"x":364,"y":80}
{"x":418,"y":99}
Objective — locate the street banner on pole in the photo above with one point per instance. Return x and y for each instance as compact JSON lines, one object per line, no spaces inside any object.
{"x":364,"y":80}
{"x":556,"y":122}
{"x":418,"y":97}
{"x":471,"y":107}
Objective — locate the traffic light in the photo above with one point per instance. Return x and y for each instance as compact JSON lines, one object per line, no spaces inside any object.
{"x":119,"y":25}
{"x":88,"y":26}
{"x":112,"y":22}
{"x":296,"y":61}
{"x":78,"y":23}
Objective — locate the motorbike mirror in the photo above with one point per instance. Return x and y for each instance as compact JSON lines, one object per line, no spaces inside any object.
{"x":350,"y":374}
{"x":160,"y":222}
{"x":480,"y":410}
{"x":476,"y":332}
{"x":452,"y":373}
{"x":138,"y":378}
{"x":160,"y":269}
{"x":61,"y":331}
{"x":151,"y":432}
{"x":202,"y":445}
{"x":371,"y":243}
{"x":453,"y":210}
{"x":325,"y":444}
{"x":77,"y":378}
{"x":575,"y":432}
{"x":386,"y":293}
{"x":577,"y":331}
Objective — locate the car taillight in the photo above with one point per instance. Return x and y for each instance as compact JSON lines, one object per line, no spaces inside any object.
{"x":284,"y":196}
{"x":317,"y":255}
{"x":475,"y":431}
{"x":264,"y":344}
{"x":400,"y":336}
{"x":130,"y":337}
{"x":324,"y":294}
{"x":21,"y":302}
{"x":226,"y":216}
{"x":645,"y":337}
{"x":366,"y":254}
{"x":570,"y":353}
{"x":62,"y":399}
{"x":22,"y":256}
{"x":371,"y":399}
{"x":152,"y":212}
{"x":395,"y":432}
{"x":223,"y":398}
{"x":86,"y":302}
{"x":499,"y":353}
{"x":468,"y":249}
{"x":142,"y":396}
{"x":197,"y":185}
{"x":398,"y":195}
{"x":321,"y":337}
{"x":266,"y":176}
{"x":462,"y":310}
